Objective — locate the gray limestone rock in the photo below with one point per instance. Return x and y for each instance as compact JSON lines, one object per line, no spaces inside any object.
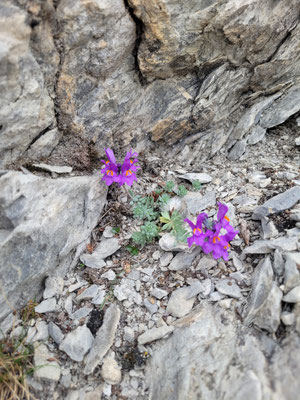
{"x":104,"y":339}
{"x":291,"y":274}
{"x":151,"y":307}
{"x":287,"y":318}
{"x":168,"y":242}
{"x":224,"y":360}
{"x":197,"y":203}
{"x":206,"y":263}
{"x":26,"y":109}
{"x":278,"y":264}
{"x":42,"y":331}
{"x":77,"y":343}
{"x":276,"y":204}
{"x":54,"y":168}
{"x":155,"y":334}
{"x":293,"y":296}
{"x":48,"y":220}
{"x":105,"y":248}
{"x":88,"y":293}
{"x":158,"y":293}
{"x":268,"y":228}
{"x":165,"y":259}
{"x":258,"y":247}
{"x":53,"y":286}
{"x":110,"y":275}
{"x":55,"y":332}
{"x":45,"y":306}
{"x":196,"y":176}
{"x":45,"y":367}
{"x":179,"y":304}
{"x":183,"y":260}
{"x":44,"y":146}
{"x":264,"y":306}
{"x":92,"y":261}
{"x":81,"y":313}
{"x":229,"y":288}
{"x":111,"y":371}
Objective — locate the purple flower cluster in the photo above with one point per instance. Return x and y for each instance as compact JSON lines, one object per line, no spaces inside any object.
{"x":120,"y":173}
{"x":210,"y":239}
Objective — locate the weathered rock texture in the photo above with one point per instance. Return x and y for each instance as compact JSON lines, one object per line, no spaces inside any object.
{"x":44,"y":225}
{"x":134,"y":72}
{"x":210,"y":355}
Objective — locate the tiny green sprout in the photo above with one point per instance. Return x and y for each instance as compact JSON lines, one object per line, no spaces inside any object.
{"x":169,"y":186}
{"x":181,"y":191}
{"x":133,"y":250}
{"x":196,"y":185}
{"x":116,"y":230}
{"x":81,"y":265}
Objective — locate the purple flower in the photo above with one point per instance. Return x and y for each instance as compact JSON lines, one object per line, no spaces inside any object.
{"x":128,"y":169}
{"x":223,"y":219}
{"x":130,"y":155}
{"x":198,"y":234}
{"x":110,"y":169}
{"x":127,"y":174}
{"x":217,"y":244}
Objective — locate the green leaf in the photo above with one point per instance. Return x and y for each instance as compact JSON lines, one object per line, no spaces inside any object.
{"x":115,"y":230}
{"x":196,"y":185}
{"x":133,"y":250}
{"x":169,"y":186}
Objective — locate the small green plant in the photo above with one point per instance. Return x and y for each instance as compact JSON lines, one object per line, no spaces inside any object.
{"x":148,"y":232}
{"x":116,"y":230}
{"x":173,"y":222}
{"x":150,"y":209}
{"x":133,"y":250}
{"x":169,"y":186}
{"x":181,"y":191}
{"x":196,"y":185}
{"x":163,"y":200}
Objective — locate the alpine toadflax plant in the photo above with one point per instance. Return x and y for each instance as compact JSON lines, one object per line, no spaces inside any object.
{"x":120,"y":173}
{"x":213,"y":240}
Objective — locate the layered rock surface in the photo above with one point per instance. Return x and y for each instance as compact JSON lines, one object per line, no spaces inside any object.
{"x":44,"y":225}
{"x":137,"y":72}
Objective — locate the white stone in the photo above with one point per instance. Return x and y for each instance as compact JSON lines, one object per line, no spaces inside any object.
{"x":111,"y":372}
{"x":45,"y":306}
{"x":53,"y":286}
{"x":77,"y":343}
{"x":155,"y":334}
{"x":45,"y":368}
{"x":293,"y":296}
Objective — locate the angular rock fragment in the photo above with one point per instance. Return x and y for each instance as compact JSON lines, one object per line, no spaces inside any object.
{"x":264,"y":307}
{"x":183,"y":260}
{"x":179,"y":304}
{"x":276,"y":204}
{"x":229,"y":288}
{"x":104,"y":339}
{"x":155,"y":334}
{"x":45,"y":366}
{"x":77,"y":343}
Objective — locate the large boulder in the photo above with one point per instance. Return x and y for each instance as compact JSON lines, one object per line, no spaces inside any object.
{"x":211,"y":355}
{"x":130,"y":73}
{"x":26,"y":109}
{"x":44,"y":225}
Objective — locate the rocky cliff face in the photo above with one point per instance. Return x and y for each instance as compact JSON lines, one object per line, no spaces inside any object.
{"x":79,"y":75}
{"x":134,"y":72}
